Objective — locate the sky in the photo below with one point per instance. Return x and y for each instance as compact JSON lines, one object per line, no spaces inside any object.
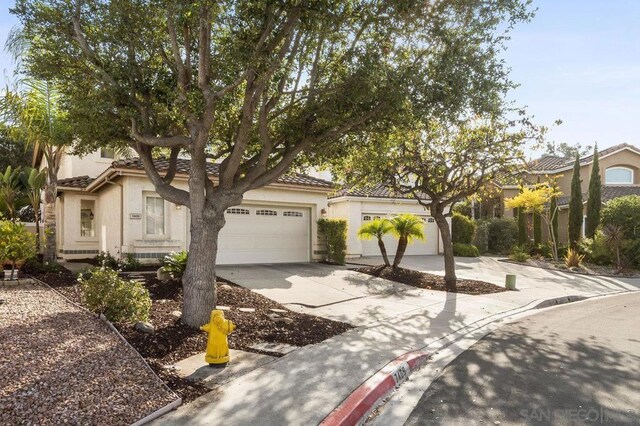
{"x":577,"y":61}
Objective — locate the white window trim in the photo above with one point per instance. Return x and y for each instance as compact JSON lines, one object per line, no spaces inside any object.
{"x":163,"y":236}
{"x":607,"y":182}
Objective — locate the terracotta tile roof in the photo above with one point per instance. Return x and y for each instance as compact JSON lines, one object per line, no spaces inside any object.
{"x":376,"y":191}
{"x":551,"y":162}
{"x":79,"y":182}
{"x":183,"y":166}
{"x":609,"y":192}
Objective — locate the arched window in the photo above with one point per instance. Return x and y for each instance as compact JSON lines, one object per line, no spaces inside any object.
{"x":618,"y":176}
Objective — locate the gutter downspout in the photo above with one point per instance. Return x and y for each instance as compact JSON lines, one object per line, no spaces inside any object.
{"x":106,"y":180}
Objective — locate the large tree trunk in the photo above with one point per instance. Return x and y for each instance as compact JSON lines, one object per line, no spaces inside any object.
{"x":199,"y":279}
{"x":383,"y":250}
{"x":402,"y":247}
{"x":447,"y":245}
{"x":50,"y":194}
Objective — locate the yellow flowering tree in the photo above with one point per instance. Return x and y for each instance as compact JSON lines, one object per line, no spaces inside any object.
{"x":537,"y":199}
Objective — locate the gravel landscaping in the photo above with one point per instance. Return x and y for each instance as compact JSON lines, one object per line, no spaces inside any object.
{"x":60,"y":365}
{"x":429,"y":281}
{"x":172,"y":341}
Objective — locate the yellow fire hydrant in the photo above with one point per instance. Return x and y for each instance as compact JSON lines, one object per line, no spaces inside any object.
{"x":217,"y":344}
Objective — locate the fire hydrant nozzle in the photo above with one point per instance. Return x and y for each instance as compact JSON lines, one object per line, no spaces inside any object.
{"x":217,"y":345}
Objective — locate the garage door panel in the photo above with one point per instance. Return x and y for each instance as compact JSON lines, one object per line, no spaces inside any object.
{"x":265,"y":234}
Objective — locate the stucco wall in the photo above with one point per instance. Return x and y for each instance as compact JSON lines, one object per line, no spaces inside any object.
{"x":352,"y":209}
{"x":113,"y":223}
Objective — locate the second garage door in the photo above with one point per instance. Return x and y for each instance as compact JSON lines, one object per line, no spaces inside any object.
{"x":428,"y":246}
{"x":265,"y":234}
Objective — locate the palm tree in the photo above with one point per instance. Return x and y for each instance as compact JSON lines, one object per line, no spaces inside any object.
{"x":33,"y":180}
{"x":406,"y":227}
{"x":613,"y":237}
{"x":377,"y":228}
{"x":36,"y":116}
{"x":10,"y":189}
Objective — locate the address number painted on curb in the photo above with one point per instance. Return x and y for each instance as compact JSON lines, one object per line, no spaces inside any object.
{"x":401,"y":373}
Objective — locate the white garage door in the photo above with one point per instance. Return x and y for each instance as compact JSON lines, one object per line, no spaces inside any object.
{"x":265,"y":234}
{"x":427,"y":246}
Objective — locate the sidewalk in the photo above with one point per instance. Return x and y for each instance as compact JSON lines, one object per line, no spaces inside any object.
{"x":303,"y":387}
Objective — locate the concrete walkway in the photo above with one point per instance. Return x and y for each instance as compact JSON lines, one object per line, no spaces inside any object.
{"x":306,"y":385}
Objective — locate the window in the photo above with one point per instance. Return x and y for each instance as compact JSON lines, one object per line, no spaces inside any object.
{"x":107,"y":153}
{"x":366,"y":218}
{"x":237,"y":210}
{"x":292,"y":214}
{"x":266,"y":213}
{"x":431,"y":220}
{"x":154,"y":215}
{"x":87,"y":224}
{"x":376,"y":218}
{"x":619,"y":176}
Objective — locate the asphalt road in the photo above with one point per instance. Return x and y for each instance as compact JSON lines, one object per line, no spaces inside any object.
{"x":575,"y":364}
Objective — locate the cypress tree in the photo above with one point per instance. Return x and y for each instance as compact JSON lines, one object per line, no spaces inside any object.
{"x":594,"y":202}
{"x":537,"y":226}
{"x":522,"y":227}
{"x":575,"y":205}
{"x":554,"y":220}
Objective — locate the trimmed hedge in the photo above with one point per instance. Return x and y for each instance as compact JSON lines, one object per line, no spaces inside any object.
{"x":465,"y":250}
{"x":335,"y":233}
{"x":503,"y":234}
{"x":463,"y":229}
{"x":481,"y":240}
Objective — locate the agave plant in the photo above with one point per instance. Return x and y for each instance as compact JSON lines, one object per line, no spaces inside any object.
{"x":175,"y":264}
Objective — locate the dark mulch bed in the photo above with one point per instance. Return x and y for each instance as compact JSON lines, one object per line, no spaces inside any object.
{"x":173,"y":341}
{"x":429,"y":281}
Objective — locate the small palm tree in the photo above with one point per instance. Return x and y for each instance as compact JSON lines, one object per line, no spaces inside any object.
{"x":377,"y":228}
{"x":10,"y":189}
{"x":613,"y":236}
{"x":406,"y":227}
{"x":34,"y":180}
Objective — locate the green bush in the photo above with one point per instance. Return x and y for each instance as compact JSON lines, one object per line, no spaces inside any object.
{"x":129,"y":262}
{"x":596,"y":249}
{"x":335,"y":234}
{"x":105,"y":259}
{"x":481,"y":240}
{"x":519,"y":254}
{"x":623,"y":212}
{"x":17,"y":244}
{"x":543,"y":250}
{"x":631,"y":253}
{"x":465,"y":250}
{"x":463,"y":229}
{"x":175,"y":264}
{"x":503,"y":234}
{"x":35,"y":266}
{"x":119,"y":300}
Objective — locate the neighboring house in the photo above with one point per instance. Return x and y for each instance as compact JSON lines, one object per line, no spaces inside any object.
{"x":619,"y":171}
{"x":109,"y":204}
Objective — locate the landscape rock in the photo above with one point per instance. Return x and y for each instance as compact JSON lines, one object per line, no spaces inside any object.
{"x":278,"y":311}
{"x":176,"y":314}
{"x":223,"y":308}
{"x":247,"y":310}
{"x":163,"y":275}
{"x":283,"y":320}
{"x":145,"y":327}
{"x":224,"y":287}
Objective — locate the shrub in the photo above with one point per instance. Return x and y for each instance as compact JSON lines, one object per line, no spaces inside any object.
{"x":175,"y":264}
{"x":119,"y":300}
{"x":625,"y":213}
{"x":519,"y":254}
{"x":573,"y":259}
{"x":35,"y":265}
{"x":463,"y":229}
{"x":543,"y":250}
{"x":631,"y":253}
{"x":104,"y":258}
{"x":465,"y":250}
{"x":17,"y":244}
{"x":596,"y":249}
{"x":129,"y":262}
{"x":481,"y":240}
{"x":503,"y":234}
{"x":335,"y":234}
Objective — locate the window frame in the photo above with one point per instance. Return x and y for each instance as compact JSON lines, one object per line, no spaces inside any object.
{"x":165,"y":233}
{"x":628,"y":169}
{"x":91,"y":209}
{"x":102,"y":157}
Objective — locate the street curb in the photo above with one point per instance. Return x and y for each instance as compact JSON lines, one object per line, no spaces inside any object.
{"x":355,"y":408}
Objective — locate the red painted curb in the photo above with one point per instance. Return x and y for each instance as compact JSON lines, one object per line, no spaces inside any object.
{"x":361,"y":401}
